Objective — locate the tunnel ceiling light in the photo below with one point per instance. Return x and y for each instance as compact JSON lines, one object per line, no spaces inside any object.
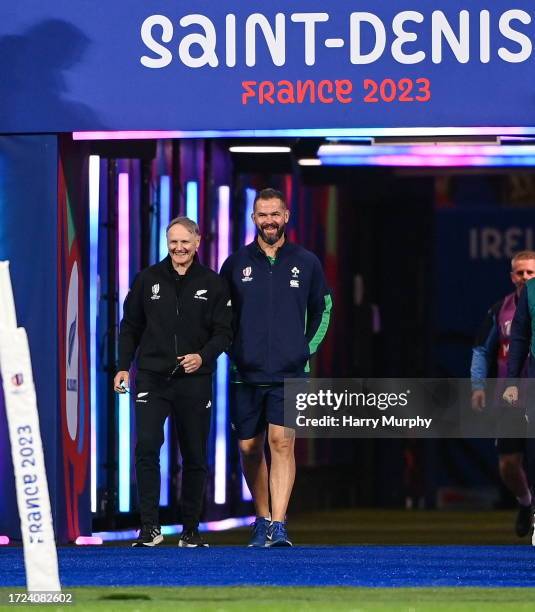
{"x":309,"y":162}
{"x":259,"y":149}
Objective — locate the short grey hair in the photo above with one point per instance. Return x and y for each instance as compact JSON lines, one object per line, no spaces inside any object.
{"x":186,"y":222}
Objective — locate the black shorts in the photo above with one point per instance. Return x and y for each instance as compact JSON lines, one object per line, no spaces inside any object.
{"x":252,"y":407}
{"x":510,"y":446}
{"x":512,"y":420}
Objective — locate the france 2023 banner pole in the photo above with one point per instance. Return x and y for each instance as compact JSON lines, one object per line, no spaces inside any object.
{"x":249,"y":65}
{"x":33,"y":500}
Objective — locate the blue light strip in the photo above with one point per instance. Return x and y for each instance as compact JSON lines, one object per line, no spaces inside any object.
{"x":220,"y":475}
{"x":428,"y":150}
{"x":229,"y":523}
{"x":192,"y":200}
{"x":94,"y":189}
{"x":165,"y":213}
{"x":418,"y":155}
{"x":250,"y":229}
{"x":124,"y":452}
{"x":436,"y":162}
{"x":124,"y":283}
{"x":308,"y":132}
{"x":221,"y":420}
{"x":250,"y":233}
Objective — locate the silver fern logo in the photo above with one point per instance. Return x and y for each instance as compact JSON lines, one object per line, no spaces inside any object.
{"x":71,"y":339}
{"x":294,"y":281}
{"x":155,"y":292}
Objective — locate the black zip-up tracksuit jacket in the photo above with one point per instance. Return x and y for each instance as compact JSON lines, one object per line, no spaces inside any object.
{"x":167,"y":315}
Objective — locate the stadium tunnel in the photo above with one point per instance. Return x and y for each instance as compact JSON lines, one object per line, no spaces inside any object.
{"x":415,"y":236}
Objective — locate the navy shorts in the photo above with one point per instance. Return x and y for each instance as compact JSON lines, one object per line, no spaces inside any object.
{"x":252,"y":407}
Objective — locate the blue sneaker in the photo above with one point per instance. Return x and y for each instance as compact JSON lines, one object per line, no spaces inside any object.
{"x":277,"y":535}
{"x":259,"y":535}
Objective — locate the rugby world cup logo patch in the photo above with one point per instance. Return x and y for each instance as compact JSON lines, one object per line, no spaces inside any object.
{"x":155,"y":292}
{"x":247,"y":274}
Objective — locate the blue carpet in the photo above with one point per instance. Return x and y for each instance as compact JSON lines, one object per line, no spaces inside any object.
{"x":371,"y":566}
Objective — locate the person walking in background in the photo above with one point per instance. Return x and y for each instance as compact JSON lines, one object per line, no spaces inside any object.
{"x":490,"y":357}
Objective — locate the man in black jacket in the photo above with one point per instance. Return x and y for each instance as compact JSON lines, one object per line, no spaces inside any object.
{"x":178,"y":316}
